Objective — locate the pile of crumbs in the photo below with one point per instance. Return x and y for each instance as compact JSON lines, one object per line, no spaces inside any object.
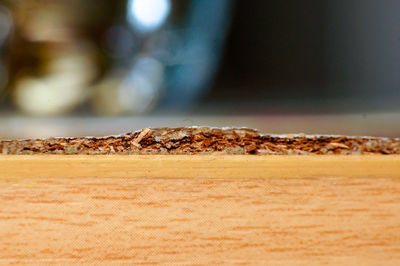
{"x":204,"y":140}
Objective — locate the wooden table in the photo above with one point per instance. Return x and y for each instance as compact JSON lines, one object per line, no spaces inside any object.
{"x":202,"y":210}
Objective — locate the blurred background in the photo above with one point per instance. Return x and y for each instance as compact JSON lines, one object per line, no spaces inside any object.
{"x":98,"y":67}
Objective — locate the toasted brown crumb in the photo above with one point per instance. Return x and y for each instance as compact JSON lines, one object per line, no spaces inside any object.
{"x":204,"y":140}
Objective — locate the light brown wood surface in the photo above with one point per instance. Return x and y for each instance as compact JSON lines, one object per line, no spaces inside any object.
{"x":199,"y":166}
{"x":203,"y":210}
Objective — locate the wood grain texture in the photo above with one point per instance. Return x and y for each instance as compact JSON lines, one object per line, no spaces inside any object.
{"x":202,"y":219}
{"x":199,"y":166}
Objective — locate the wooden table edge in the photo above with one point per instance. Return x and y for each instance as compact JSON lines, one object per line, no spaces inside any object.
{"x":200,"y":166}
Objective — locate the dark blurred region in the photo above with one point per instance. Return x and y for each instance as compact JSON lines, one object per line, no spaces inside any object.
{"x":335,"y":56}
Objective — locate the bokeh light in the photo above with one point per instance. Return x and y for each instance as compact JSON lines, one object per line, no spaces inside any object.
{"x":147,"y":15}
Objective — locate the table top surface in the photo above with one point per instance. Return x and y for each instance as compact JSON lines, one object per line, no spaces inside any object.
{"x":385,"y":124}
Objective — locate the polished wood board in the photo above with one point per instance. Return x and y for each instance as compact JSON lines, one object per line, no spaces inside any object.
{"x":202,"y":210}
{"x":199,"y":166}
